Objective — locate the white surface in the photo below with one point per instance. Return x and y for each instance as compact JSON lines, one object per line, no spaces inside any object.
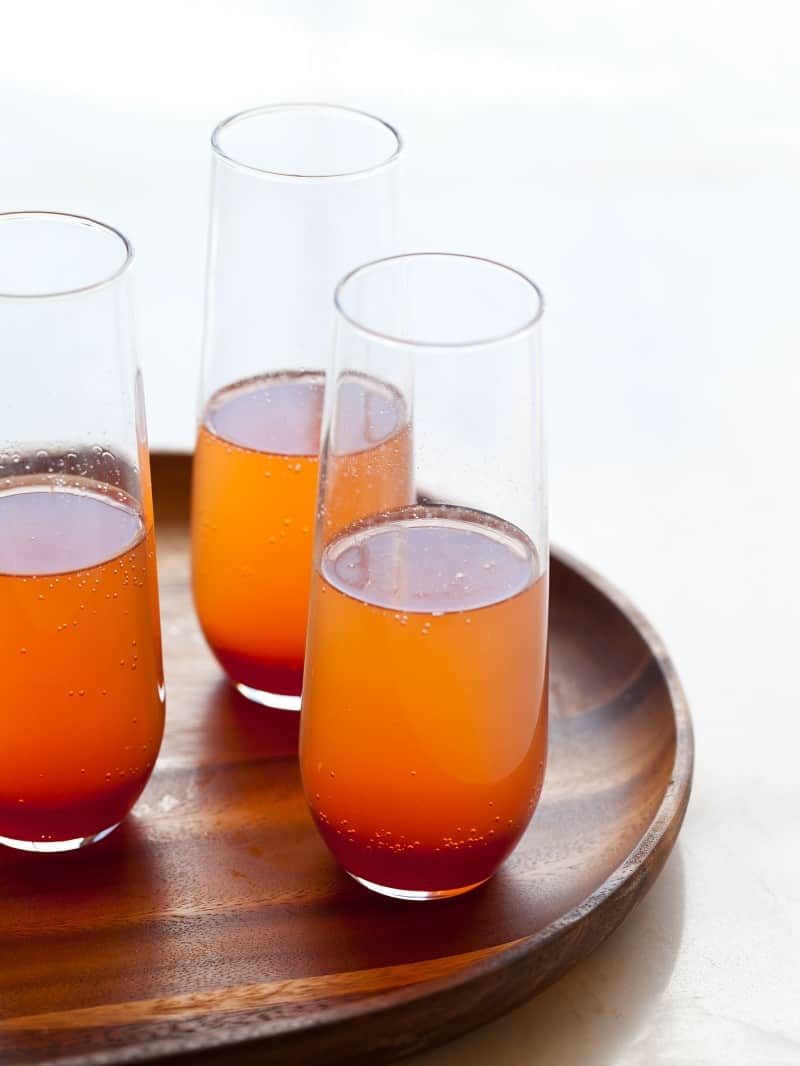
{"x":642,"y":162}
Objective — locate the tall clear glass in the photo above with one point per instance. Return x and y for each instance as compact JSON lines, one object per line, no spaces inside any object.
{"x":82,"y":707}
{"x":424,"y":719}
{"x":300,"y":194}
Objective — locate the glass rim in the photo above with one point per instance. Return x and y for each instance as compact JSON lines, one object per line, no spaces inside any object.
{"x":266,"y":109}
{"x":480,"y":342}
{"x":66,"y":218}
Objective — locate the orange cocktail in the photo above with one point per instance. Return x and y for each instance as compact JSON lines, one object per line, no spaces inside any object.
{"x":424,"y":726}
{"x":82,"y":712}
{"x":253,"y":506}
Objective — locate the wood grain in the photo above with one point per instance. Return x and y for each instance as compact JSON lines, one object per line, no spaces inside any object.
{"x":214,"y":927}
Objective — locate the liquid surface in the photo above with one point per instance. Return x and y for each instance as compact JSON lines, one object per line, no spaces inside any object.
{"x":282,"y":413}
{"x":253,"y":506}
{"x":424,"y":726}
{"x":47,"y":529}
{"x":81,"y":715}
{"x":431,"y":559}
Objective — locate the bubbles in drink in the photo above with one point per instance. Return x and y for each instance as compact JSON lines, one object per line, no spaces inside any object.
{"x":464,"y":708}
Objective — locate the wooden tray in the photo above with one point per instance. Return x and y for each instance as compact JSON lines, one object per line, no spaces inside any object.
{"x":214,"y":927}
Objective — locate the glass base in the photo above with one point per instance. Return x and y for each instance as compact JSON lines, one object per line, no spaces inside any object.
{"x":411,"y":894}
{"x":274,"y":700}
{"x":49,"y":846}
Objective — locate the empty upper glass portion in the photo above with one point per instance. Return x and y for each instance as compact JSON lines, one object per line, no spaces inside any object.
{"x":457,"y":337}
{"x":45,"y":253}
{"x":439,"y":299}
{"x":71,"y":402}
{"x":306,"y":141}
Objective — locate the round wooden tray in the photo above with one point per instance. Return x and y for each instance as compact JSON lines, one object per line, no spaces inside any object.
{"x":214,"y":927}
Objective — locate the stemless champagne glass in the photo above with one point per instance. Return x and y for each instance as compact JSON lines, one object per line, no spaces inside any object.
{"x":301,"y":193}
{"x":82,"y":708}
{"x":424,"y":719}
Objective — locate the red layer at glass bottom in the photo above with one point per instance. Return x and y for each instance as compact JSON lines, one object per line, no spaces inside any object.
{"x":284,"y":679}
{"x":413,"y":867}
{"x":65,"y":817}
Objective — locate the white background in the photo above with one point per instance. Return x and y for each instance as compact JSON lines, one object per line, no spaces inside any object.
{"x":642,"y":162}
